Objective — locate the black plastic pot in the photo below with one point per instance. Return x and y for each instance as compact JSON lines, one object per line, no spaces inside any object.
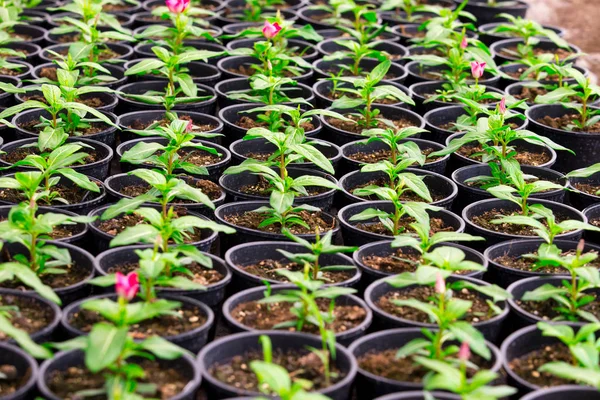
{"x":468,"y":194}
{"x":344,"y":338}
{"x":125,"y":122}
{"x":486,"y":14}
{"x":563,"y":392}
{"x":30,"y":50}
{"x":23,"y":72}
{"x":415,"y":70}
{"x":586,"y":145}
{"x":354,"y":236}
{"x":199,"y":71}
{"x":341,"y":137}
{"x":313,"y":16}
{"x":322,"y":90}
{"x":80,"y":257}
{"x":127,"y":104}
{"x":224,"y":88}
{"x":369,"y":385}
{"x":233,"y":11}
{"x":384,"y":249}
{"x":26,"y":367}
{"x":421,"y":91}
{"x":407,"y":31}
{"x":231,"y":115}
{"x":144,"y":50}
{"x":192,"y":340}
{"x":108,"y":99}
{"x":363,"y":146}
{"x":493,"y":237}
{"x":324,"y":69}
{"x":488,"y":36}
{"x":7,"y":99}
{"x":106,"y":136}
{"x":250,"y":253}
{"x":116,"y":182}
{"x":508,"y":70}
{"x":546,"y":44}
{"x":226,"y":348}
{"x":308,"y":51}
{"x":62,"y":361}
{"x":437,"y":184}
{"x":246,"y":235}
{"x":240,"y":149}
{"x":383,"y":320}
{"x":458,"y":160}
{"x":90,"y":200}
{"x":209,"y":239}
{"x":395,"y":52}
{"x":79,"y":232}
{"x":232,"y":185}
{"x":214,"y":170}
{"x":213,"y":296}
{"x":592,"y":213}
{"x":98,"y":169}
{"x":416,"y":395}
{"x":36,"y":33}
{"x":116,"y":72}
{"x":505,"y":276}
{"x":438,"y":117}
{"x":124,"y":51}
{"x":580,"y":199}
{"x":518,"y":344}
{"x":227,"y":64}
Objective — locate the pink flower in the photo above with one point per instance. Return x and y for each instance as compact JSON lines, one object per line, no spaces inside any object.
{"x":502,"y":105}
{"x":177,"y":6}
{"x":463,"y":43}
{"x":440,"y":284}
{"x":128,"y":285}
{"x":581,"y":246}
{"x":271,"y":30}
{"x":465,"y":352}
{"x":190,"y":126}
{"x":477,"y":69}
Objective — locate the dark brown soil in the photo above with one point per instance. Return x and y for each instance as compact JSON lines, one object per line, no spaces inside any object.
{"x":203,"y":276}
{"x":11,"y":72}
{"x":588,"y":188}
{"x":339,"y":94}
{"x":18,"y":154}
{"x":211,"y":189}
{"x":346,"y":72}
{"x":249,"y":123}
{"x":14,"y":380}
{"x":73,"y":274}
{"x":93,"y":102}
{"x":117,"y":7}
{"x":437,"y":225}
{"x":527,"y":366}
{"x":546,"y":310}
{"x":267,"y":269}
{"x":301,"y":364}
{"x":483,"y":220}
{"x":355,"y":128}
{"x":451,"y":126}
{"x":385,"y":154}
{"x":524,"y":157}
{"x":566,"y":120}
{"x":62,"y":231}
{"x":31,"y":315}
{"x":95,"y":127}
{"x":141,"y":125}
{"x":395,"y":263}
{"x":189,"y":317}
{"x":49,"y":73}
{"x":200,"y":158}
{"x":526,"y":264}
{"x":517,"y":75}
{"x":406,"y":196}
{"x":263,"y":188}
{"x":242,"y":70}
{"x":251,"y":220}
{"x":561,"y":53}
{"x":267,"y":316}
{"x":73,"y":195}
{"x":105,"y":54}
{"x":479,"y":311}
{"x":66,"y":384}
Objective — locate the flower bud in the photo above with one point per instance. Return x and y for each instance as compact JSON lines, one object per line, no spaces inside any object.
{"x":465,"y":352}
{"x":271,"y":30}
{"x":580,"y":246}
{"x":463,"y":43}
{"x":502,"y":105}
{"x":127,"y":286}
{"x":477,"y":69}
{"x":440,"y":284}
{"x":177,"y":6}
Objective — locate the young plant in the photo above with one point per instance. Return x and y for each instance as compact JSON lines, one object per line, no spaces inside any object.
{"x":585,"y":173}
{"x":269,"y":90}
{"x":571,"y":297}
{"x":274,"y":379}
{"x":281,"y":211}
{"x":395,"y":139}
{"x":366,"y":91}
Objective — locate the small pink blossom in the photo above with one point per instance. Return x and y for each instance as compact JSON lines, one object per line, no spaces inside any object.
{"x":463,"y":43}
{"x":440,"y":284}
{"x":465,"y":352}
{"x":271,"y":30}
{"x":127,"y":286}
{"x":477,"y":69}
{"x":502,"y":105}
{"x":189,"y":127}
{"x":581,"y":246}
{"x":177,"y":6}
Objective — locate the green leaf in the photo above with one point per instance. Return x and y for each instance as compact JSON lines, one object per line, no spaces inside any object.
{"x":162,"y":348}
{"x":106,"y":343}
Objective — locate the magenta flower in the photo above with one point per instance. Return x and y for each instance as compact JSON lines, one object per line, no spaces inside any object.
{"x":177,"y":6}
{"x":190,"y":126}
{"x":463,"y":43}
{"x":477,"y":69}
{"x":127,"y":286}
{"x":440,"y":284}
{"x":271,"y":30}
{"x":502,"y":105}
{"x":465,"y":352}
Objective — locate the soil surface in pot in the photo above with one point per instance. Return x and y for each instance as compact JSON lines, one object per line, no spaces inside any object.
{"x":527,"y":365}
{"x":588,"y":188}
{"x":266,"y":316}
{"x":11,"y":71}
{"x":479,"y":311}
{"x":61,"y":231}
{"x":103,"y":55}
{"x":339,"y":94}
{"x":268,"y":269}
{"x":73,"y":274}
{"x":14,"y":380}
{"x":252,"y":220}
{"x":436,"y":224}
{"x":93,"y":128}
{"x":25,"y":313}
{"x":566,"y":123}
{"x":301,"y":364}
{"x":348,"y":73}
{"x":451,"y":126}
{"x":354,"y":127}
{"x":408,"y":195}
{"x":513,"y":51}
{"x":385,"y":364}
{"x":396,"y":263}
{"x":516,"y":74}
{"x":73,"y":195}
{"x":528,"y":264}
{"x":530,"y":93}
{"x":66,"y":384}
{"x":203,"y":276}
{"x":547,"y":309}
{"x":386,"y":154}
{"x":247,"y":122}
{"x":138,"y":124}
{"x":18,"y":154}
{"x":263,"y":188}
{"x":197,"y":157}
{"x":211,"y":189}
{"x":190,"y":317}
{"x":93,"y":102}
{"x":483,"y":221}
{"x":524,"y":157}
